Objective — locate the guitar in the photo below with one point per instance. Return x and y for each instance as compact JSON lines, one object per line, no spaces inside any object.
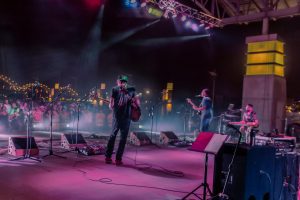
{"x":135,"y":114}
{"x":193,"y":105}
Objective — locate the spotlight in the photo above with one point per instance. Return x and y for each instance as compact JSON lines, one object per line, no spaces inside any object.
{"x":195,"y":27}
{"x":183,"y":18}
{"x":188,"y":24}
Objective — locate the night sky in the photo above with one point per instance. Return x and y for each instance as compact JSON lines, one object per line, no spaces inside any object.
{"x":72,"y":42}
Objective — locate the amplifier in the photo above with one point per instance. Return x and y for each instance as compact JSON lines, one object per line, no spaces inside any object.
{"x":285,"y":143}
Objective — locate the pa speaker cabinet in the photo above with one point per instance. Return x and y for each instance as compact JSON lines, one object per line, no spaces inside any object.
{"x":167,"y":137}
{"x":287,"y":176}
{"x":139,"y":139}
{"x":68,"y":141}
{"x":252,"y":173}
{"x":17,"y":146}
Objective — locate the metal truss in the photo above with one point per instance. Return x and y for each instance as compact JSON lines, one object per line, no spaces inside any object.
{"x":224,"y":12}
{"x":175,"y":8}
{"x":245,"y":11}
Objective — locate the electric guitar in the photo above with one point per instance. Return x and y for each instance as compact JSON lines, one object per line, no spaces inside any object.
{"x":192,"y":104}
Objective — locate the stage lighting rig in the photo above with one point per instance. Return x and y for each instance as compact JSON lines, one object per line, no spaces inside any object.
{"x":173,"y":8}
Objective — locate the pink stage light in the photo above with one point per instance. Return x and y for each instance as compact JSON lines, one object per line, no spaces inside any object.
{"x":195,"y":27}
{"x":92,"y":4}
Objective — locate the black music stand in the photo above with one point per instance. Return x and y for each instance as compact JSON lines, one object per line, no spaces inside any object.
{"x":208,"y":143}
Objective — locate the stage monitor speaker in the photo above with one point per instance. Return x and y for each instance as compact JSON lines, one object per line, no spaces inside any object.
{"x":139,"y":139}
{"x":252,"y":174}
{"x":68,"y":141}
{"x":17,"y":146}
{"x":168,"y":137}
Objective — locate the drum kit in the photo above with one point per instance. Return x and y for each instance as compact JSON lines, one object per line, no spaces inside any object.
{"x":227,"y":117}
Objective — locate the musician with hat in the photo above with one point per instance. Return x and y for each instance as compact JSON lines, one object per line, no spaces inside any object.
{"x":121,"y":101}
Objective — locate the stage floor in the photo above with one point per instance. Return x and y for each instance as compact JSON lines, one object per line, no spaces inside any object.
{"x":149,"y":172}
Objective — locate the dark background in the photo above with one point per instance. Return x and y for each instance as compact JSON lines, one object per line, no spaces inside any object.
{"x":73,"y":42}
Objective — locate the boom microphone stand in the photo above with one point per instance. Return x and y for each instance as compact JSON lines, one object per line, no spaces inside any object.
{"x":28,"y":139}
{"x":28,"y":122}
{"x":51,"y":128}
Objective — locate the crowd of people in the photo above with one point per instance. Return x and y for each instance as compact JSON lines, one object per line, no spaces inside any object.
{"x":14,"y":115}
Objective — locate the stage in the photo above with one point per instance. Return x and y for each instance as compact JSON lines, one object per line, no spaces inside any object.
{"x":149,"y":172}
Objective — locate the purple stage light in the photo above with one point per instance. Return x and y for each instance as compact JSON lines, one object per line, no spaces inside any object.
{"x":195,"y":27}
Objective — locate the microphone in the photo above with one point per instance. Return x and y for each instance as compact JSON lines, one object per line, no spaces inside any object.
{"x":199,"y":95}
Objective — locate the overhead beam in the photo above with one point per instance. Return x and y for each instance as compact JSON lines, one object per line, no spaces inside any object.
{"x":202,"y":7}
{"x":260,"y":16}
{"x":229,"y":8}
{"x":256,"y":5}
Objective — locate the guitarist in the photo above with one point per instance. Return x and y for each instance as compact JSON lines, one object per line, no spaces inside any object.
{"x":122,"y":98}
{"x":205,"y":108}
{"x":249,"y":121}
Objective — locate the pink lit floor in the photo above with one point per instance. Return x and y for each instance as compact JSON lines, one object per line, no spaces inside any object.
{"x":89,"y":178}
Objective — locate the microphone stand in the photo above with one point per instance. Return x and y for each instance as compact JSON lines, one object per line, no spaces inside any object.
{"x":28,"y":138}
{"x":78,"y":116}
{"x":151,"y":114}
{"x":186,"y":113}
{"x":222,"y":195}
{"x":51,"y":128}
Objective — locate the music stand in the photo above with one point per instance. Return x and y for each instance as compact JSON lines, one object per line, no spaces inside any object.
{"x":208,"y":143}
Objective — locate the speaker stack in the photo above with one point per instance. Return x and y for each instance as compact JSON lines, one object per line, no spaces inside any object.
{"x":17,"y":146}
{"x":257,"y":173}
{"x":287,"y":176}
{"x":252,"y":172}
